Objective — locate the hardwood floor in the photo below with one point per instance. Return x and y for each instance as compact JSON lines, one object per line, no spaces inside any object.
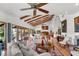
{"x":61,"y":50}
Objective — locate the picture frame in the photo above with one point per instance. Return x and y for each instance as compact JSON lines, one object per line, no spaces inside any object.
{"x":64,"y":25}
{"x":76,"y":24}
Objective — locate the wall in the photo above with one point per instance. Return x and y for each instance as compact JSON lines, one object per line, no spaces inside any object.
{"x":12,"y":19}
{"x":74,"y":33}
{"x":70,"y":26}
{"x":54,"y":24}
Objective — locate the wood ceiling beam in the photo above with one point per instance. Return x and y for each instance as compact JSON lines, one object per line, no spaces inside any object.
{"x":43,"y":20}
{"x":37,"y":22}
{"x":24,"y":16}
{"x":40,"y":22}
{"x":37,"y":18}
{"x":32,"y":18}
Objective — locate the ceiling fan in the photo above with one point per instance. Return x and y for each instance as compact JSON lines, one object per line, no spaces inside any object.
{"x":35,"y":7}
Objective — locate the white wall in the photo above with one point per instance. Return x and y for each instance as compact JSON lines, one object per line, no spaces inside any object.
{"x":12,"y":19}
{"x":70,"y":26}
{"x":55,"y":24}
{"x":74,"y":33}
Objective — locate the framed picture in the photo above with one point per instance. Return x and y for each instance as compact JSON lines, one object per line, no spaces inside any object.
{"x":76,"y":24}
{"x":45,"y":27}
{"x":64,"y":26}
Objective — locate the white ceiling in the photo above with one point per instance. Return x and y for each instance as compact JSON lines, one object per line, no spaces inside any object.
{"x":53,"y":8}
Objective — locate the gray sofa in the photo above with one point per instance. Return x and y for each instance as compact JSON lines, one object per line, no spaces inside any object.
{"x":21,"y":49}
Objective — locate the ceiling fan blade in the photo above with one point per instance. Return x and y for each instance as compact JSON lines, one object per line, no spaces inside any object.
{"x":42,"y":10}
{"x":31,"y":4}
{"x":34,"y":12}
{"x":32,"y":18}
{"x":24,"y":16}
{"x":25,"y":9}
{"x":41,"y":4}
